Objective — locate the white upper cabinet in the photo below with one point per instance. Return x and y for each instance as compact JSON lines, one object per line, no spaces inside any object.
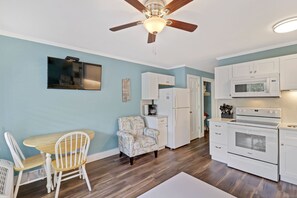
{"x":288,"y":72}
{"x":242,"y":69}
{"x":166,"y":79}
{"x":150,"y":84}
{"x":223,"y":76}
{"x":266,"y":66}
{"x":255,"y":68}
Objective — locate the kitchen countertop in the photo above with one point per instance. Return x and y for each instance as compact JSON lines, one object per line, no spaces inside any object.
{"x":156,"y":116}
{"x":285,"y":126}
{"x":220,"y":119}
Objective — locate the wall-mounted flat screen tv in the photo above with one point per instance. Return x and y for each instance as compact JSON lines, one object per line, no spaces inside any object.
{"x":63,"y":74}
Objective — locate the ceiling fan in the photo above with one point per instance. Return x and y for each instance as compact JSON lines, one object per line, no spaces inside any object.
{"x":155,"y":11}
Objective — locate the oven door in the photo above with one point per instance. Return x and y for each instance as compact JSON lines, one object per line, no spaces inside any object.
{"x":254,"y":142}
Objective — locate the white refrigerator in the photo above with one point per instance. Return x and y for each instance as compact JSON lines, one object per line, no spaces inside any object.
{"x":175,"y":103}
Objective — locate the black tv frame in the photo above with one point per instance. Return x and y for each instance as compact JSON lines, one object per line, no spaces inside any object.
{"x":73,"y":87}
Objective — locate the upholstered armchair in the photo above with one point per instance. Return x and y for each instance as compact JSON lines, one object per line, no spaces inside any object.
{"x":136,"y":139}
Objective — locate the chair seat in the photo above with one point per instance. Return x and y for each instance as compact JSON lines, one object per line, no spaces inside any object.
{"x":54,"y":164}
{"x":32,"y":162}
{"x":143,"y":141}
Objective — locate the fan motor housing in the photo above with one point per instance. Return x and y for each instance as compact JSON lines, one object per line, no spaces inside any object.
{"x":155,"y":7}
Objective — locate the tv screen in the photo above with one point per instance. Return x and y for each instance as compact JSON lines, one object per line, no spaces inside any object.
{"x":63,"y":74}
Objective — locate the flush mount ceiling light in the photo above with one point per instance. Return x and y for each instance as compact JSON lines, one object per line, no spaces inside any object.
{"x":285,"y":26}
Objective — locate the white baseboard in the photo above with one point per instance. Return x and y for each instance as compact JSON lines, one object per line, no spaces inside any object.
{"x":39,"y":174}
{"x":102,"y":155}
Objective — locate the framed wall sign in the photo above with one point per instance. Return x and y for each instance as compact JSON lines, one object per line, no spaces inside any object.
{"x":126,"y":90}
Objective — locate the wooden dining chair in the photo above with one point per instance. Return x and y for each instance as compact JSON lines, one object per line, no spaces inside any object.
{"x":20,"y":162}
{"x":71,"y":155}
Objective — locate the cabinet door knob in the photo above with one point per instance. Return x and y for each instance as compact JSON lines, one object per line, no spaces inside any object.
{"x":282,"y":144}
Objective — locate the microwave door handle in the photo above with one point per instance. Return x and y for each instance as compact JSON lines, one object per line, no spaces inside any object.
{"x":268,"y":85}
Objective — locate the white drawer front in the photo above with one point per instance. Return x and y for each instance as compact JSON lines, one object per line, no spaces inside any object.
{"x":218,"y":132}
{"x":162,"y":121}
{"x":217,"y":125}
{"x":218,"y":152}
{"x":218,"y":136}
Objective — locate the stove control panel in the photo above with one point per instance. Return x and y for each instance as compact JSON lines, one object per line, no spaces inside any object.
{"x":261,"y":112}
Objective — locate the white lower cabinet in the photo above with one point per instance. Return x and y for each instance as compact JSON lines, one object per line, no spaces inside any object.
{"x":218,"y":141}
{"x":288,"y":159}
{"x":159,"y":123}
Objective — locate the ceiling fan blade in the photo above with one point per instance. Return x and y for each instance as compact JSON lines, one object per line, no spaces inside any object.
{"x":117,"y":28}
{"x":136,"y":4}
{"x":182,"y":25}
{"x":175,"y":5}
{"x":151,"y":38}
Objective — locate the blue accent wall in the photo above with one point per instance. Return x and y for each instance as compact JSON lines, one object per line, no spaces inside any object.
{"x":282,"y":51}
{"x":28,"y":108}
{"x":199,"y":73}
{"x":180,"y":77}
{"x":182,"y":72}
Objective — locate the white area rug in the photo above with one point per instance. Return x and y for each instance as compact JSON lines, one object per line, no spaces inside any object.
{"x":185,"y":186}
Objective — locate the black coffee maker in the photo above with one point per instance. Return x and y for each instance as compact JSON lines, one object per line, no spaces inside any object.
{"x":152,"y":109}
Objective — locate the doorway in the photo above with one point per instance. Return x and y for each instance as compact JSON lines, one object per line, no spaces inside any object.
{"x":208,"y":103}
{"x":193,"y":84}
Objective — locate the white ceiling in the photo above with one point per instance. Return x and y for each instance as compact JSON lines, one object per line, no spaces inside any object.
{"x":224,"y":27}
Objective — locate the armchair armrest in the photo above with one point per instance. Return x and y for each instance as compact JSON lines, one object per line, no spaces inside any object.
{"x":126,"y":141}
{"x":154,"y":133}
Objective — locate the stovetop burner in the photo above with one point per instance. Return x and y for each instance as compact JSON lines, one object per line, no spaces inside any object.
{"x":258,"y":117}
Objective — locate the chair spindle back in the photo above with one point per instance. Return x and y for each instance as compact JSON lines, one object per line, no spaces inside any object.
{"x":15,"y":150}
{"x":71,"y":149}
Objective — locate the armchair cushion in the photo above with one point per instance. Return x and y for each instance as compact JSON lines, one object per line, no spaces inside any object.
{"x":143,"y":141}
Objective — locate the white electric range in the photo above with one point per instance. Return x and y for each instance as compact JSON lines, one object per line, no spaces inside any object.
{"x":253,"y":141}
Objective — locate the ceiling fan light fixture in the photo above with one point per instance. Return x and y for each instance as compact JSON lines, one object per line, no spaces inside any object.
{"x":154,"y":24}
{"x":285,"y":26}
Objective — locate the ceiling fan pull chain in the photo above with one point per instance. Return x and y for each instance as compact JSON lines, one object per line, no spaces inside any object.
{"x":155,"y":49}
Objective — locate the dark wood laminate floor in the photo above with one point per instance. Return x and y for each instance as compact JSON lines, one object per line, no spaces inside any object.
{"x":114,"y":177}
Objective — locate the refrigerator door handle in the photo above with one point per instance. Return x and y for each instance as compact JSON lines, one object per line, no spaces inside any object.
{"x":175,"y":116}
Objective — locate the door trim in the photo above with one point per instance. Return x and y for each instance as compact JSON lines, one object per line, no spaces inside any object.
{"x":199,"y":102}
{"x":213,"y":101}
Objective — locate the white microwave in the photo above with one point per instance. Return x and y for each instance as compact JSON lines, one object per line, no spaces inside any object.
{"x":260,"y":86}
